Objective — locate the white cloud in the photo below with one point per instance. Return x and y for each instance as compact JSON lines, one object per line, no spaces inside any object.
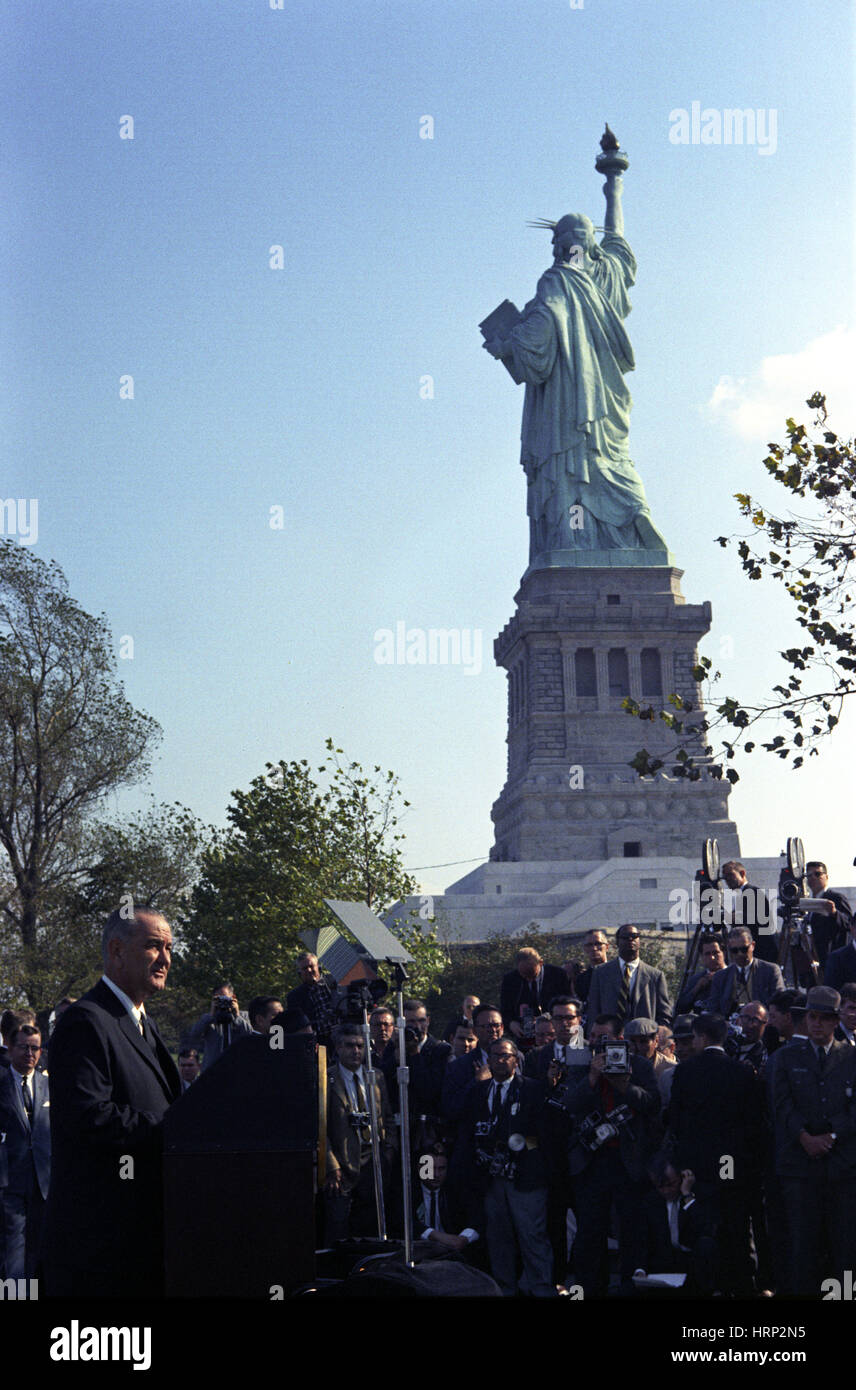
{"x":756,"y":407}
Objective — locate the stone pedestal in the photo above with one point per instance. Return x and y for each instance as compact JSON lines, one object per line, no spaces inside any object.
{"x":583,"y":638}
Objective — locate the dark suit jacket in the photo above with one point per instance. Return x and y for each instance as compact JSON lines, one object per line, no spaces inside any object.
{"x":829,"y":934}
{"x":715,"y":1109}
{"x":427,"y":1070}
{"x":457,"y":1080}
{"x":806,"y":1099}
{"x":527,"y":1119}
{"x":840,"y":967}
{"x":686,"y":1001}
{"x":109,"y":1094}
{"x":649,"y":997}
{"x":25,"y":1150}
{"x":694,"y":1222}
{"x":554,"y":982}
{"x":765,"y":980}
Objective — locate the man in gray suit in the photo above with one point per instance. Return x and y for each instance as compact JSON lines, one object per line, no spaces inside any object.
{"x":25,"y":1151}
{"x":627,"y":987}
{"x":745,"y":980}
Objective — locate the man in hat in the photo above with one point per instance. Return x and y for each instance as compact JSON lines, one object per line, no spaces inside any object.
{"x":682,"y":1032}
{"x":813,"y":1088}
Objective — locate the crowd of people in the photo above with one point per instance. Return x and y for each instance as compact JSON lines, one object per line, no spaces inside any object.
{"x":582,"y":1135}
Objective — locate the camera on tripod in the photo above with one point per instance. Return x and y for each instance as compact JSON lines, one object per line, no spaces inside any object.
{"x":360,"y":997}
{"x":792,"y":885}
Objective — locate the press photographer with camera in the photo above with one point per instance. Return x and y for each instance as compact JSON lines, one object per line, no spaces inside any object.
{"x":616,"y":1105}
{"x":349,"y":1185}
{"x":218,"y":1029}
{"x":500,"y":1152}
{"x":693,"y":998}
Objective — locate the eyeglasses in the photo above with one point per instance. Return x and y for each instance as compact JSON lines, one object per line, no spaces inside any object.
{"x":630,"y":936}
{"x":27,"y":1047}
{"x":737,"y":950}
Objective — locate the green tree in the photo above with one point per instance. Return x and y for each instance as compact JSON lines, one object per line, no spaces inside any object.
{"x":811,"y":556}
{"x":289,"y":844}
{"x":68,"y":736}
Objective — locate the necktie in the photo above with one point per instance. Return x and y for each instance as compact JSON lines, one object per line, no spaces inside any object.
{"x":435,"y":1213}
{"x":497,"y":1101}
{"x":673,"y":1224}
{"x":26,"y":1097}
{"x":821,"y":1060}
{"x":624,"y":996}
{"x":148,"y":1034}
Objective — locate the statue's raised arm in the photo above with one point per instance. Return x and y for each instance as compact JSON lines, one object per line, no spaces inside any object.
{"x":570,"y":348}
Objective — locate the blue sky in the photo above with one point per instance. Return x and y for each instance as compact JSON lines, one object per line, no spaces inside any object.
{"x":299,"y":387}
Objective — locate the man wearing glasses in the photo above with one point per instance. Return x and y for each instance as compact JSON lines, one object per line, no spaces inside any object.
{"x":462,"y":1072}
{"x":25,"y":1151}
{"x":828,"y":932}
{"x":627,"y":987}
{"x":745,"y":980}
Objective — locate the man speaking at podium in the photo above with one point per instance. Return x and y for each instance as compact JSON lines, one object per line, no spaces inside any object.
{"x":112,"y":1080}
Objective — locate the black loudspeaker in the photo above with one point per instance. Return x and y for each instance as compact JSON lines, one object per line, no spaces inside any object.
{"x":239,"y":1173}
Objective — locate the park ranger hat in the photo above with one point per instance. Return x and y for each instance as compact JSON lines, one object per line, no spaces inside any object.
{"x":823,"y":1000}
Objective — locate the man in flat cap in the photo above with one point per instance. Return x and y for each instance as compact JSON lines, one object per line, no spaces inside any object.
{"x":813,"y":1090}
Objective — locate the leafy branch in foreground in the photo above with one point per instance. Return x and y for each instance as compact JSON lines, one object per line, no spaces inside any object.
{"x":811,"y":556}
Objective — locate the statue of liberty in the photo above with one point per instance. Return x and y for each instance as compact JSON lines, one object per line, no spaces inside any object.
{"x":571,"y":349}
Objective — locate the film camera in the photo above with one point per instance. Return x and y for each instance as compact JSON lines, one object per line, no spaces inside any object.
{"x":359,"y":998}
{"x":596,"y":1129}
{"x":792,"y":886}
{"x":224,"y":1010}
{"x":498,"y":1163}
{"x":617,"y":1053}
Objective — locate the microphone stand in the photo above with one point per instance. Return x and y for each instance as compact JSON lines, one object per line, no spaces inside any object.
{"x":403,"y":1075}
{"x":375,"y":1128}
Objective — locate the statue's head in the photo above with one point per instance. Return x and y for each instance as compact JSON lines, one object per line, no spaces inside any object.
{"x":574,"y":229}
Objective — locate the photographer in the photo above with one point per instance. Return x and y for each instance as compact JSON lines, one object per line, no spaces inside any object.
{"x":828,"y":931}
{"x":693,"y":998}
{"x":616,"y":1104}
{"x":426,"y":1059}
{"x":499,"y":1150}
{"x":752,"y":909}
{"x":349,"y":1184}
{"x":218,"y":1029}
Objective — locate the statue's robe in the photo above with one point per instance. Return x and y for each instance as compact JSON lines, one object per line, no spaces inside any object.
{"x":572,"y":350}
